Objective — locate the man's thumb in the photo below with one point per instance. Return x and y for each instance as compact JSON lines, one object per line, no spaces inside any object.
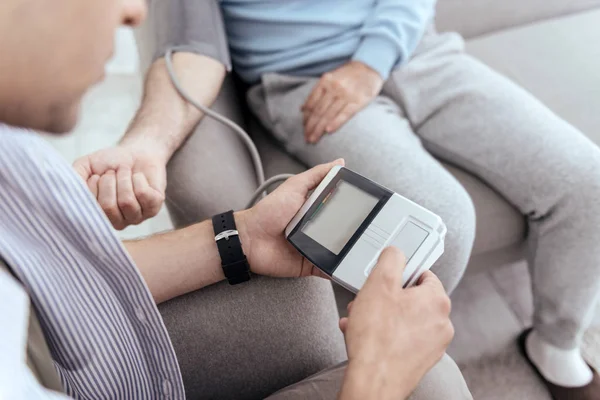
{"x":310,"y":179}
{"x":391,"y":265}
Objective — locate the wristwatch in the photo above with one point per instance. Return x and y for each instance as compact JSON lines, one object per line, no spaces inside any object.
{"x":233,"y":260}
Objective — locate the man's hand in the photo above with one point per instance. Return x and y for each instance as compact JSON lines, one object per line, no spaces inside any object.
{"x":128,"y":182}
{"x":394,"y":335}
{"x":262,"y":228}
{"x":337,"y":97}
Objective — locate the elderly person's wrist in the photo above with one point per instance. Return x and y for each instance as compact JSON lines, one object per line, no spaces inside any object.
{"x":148,"y":142}
{"x":379,"y":53}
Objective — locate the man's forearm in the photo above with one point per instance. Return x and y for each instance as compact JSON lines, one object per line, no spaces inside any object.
{"x":165,"y":119}
{"x":367,"y":382}
{"x":181,"y":261}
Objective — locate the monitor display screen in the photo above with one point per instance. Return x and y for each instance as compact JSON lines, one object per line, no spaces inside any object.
{"x":339,"y":216}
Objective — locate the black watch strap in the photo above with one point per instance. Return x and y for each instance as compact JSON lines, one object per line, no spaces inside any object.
{"x":234,"y":262}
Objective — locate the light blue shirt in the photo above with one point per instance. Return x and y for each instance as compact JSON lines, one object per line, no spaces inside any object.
{"x":104,"y":332}
{"x":311,"y":37}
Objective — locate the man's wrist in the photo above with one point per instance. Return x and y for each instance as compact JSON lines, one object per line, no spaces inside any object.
{"x":363,"y":381}
{"x":359,"y":384}
{"x":241,"y":223}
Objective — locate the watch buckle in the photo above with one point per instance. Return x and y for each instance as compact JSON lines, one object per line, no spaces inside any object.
{"x":226,"y":235}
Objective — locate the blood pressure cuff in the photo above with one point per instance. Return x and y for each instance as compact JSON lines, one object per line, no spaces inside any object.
{"x":194,"y":26}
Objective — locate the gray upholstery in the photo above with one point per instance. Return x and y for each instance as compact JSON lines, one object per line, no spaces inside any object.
{"x":557,"y":60}
{"x":477,"y":17}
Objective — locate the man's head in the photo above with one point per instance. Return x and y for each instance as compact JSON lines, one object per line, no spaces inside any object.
{"x":51,"y":52}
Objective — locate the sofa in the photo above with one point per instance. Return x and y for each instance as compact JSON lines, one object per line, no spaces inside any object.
{"x":550,"y":47}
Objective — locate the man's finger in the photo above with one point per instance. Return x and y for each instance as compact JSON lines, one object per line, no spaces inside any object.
{"x":318,"y":273}
{"x":310,"y":179}
{"x":433,"y":289}
{"x":126,"y":200}
{"x":325,"y":120}
{"x":429,"y":279}
{"x":149,"y":198}
{"x":344,"y":325}
{"x":83,"y":168}
{"x":107,"y":198}
{"x":92,"y":184}
{"x":349,"y":306}
{"x":389,"y":268}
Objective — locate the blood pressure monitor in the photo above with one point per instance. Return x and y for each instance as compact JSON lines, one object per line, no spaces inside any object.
{"x":348,"y":220}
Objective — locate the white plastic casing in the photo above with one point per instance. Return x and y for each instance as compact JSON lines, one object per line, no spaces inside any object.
{"x":400,"y":223}
{"x":385,"y":230}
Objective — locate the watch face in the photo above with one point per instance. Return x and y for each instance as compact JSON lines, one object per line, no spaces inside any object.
{"x":337,"y":219}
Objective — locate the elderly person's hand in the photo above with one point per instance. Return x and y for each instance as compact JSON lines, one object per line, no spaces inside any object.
{"x":128,"y":182}
{"x":337,"y":97}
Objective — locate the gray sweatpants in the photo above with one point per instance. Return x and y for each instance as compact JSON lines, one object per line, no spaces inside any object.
{"x":445,"y":103}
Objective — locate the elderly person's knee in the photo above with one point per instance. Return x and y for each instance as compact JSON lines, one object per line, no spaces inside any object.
{"x":582,"y":188}
{"x":571,"y":190}
{"x":456,"y":209}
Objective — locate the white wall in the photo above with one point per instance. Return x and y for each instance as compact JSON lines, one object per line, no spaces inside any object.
{"x":125,"y":60}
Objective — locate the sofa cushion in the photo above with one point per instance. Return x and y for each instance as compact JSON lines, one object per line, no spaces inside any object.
{"x":476,"y":17}
{"x":558,"y":61}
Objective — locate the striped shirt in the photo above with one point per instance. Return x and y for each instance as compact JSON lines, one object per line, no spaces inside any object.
{"x":104,"y":332}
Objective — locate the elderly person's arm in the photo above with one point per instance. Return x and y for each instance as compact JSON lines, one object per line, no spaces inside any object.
{"x":129,"y":180}
{"x":388,"y":38}
{"x":194,"y":28}
{"x":392,"y":33}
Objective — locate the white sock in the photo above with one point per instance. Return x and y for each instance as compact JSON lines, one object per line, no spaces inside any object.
{"x":565,"y":368}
